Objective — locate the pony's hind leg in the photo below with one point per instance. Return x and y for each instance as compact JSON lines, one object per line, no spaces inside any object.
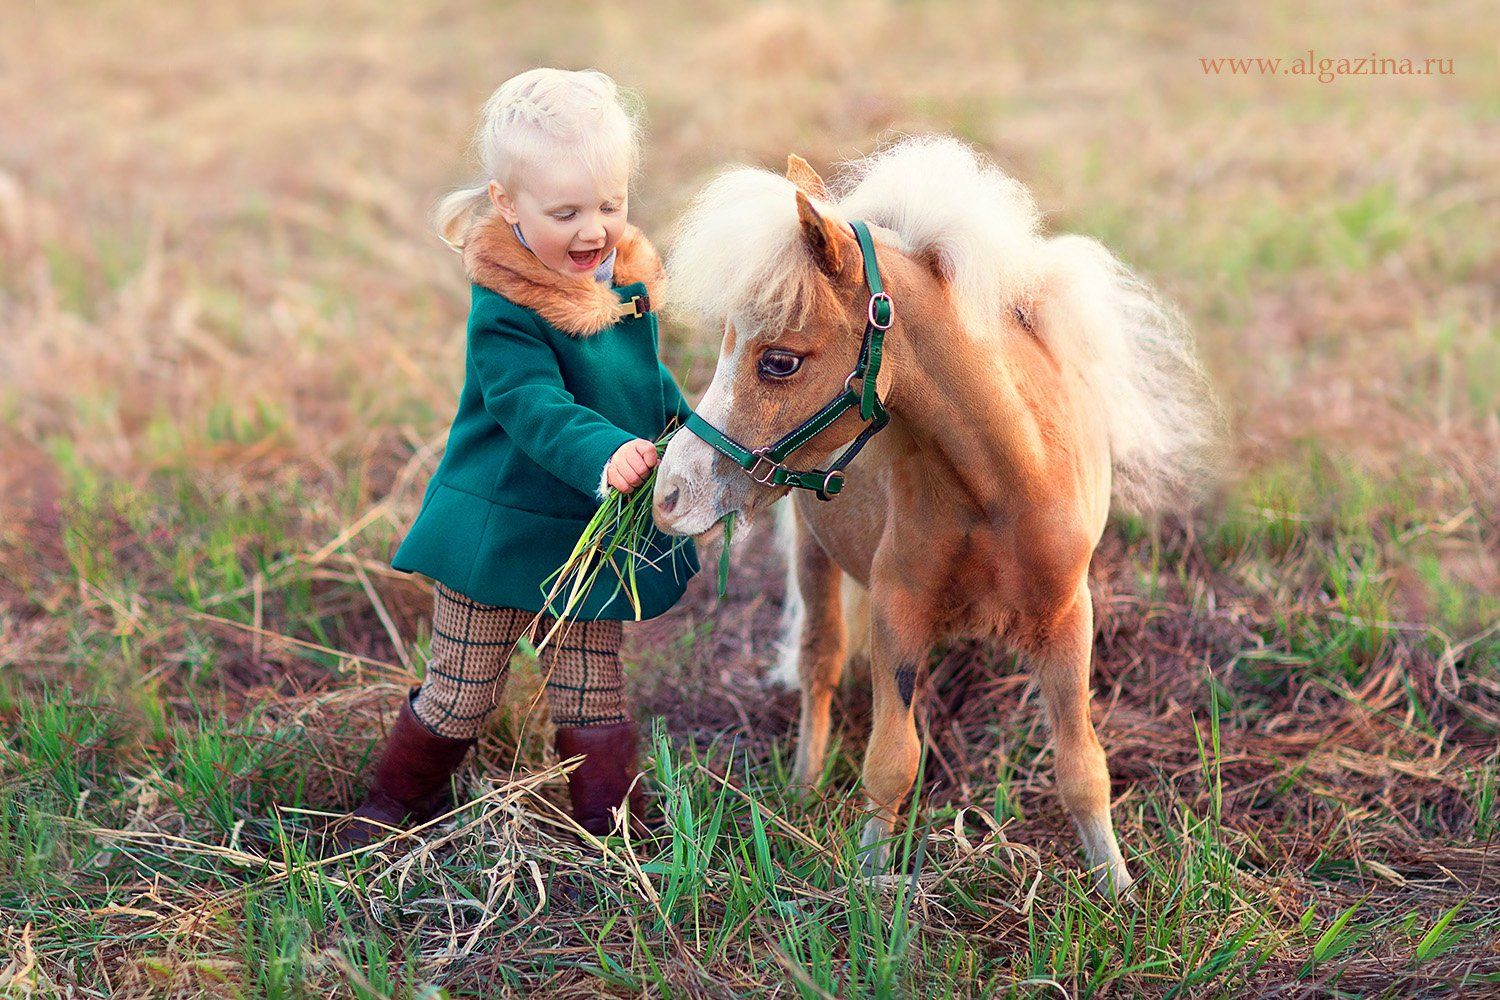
{"x":1062,"y":669}
{"x":892,"y":755}
{"x":821,"y":650}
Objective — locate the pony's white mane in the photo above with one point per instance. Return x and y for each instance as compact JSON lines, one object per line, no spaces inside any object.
{"x":947,"y":204}
{"x":738,"y":254}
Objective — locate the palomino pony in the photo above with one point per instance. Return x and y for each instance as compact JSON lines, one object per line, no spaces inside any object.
{"x":1025,"y":381}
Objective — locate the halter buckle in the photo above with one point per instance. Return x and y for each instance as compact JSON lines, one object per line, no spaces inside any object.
{"x":769,"y":477}
{"x":828,"y":490}
{"x":890,"y":311}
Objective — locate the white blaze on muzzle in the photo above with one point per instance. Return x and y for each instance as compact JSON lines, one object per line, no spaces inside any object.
{"x":690,"y":465}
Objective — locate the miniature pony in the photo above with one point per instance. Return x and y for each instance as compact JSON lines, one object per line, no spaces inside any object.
{"x":1028,"y":380}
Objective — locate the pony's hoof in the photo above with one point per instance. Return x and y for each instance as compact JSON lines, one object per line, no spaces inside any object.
{"x":874,"y":856}
{"x":1114,"y":881}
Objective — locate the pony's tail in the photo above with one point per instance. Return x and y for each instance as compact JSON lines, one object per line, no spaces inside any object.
{"x":854,"y":599}
{"x":793,"y":611}
{"x":1166,"y":429}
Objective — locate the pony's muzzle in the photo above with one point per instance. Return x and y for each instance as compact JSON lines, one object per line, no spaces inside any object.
{"x":688,"y":497}
{"x":668,"y":503}
{"x":673,"y":507}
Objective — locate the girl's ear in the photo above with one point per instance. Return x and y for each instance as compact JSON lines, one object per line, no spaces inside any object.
{"x":503,"y":203}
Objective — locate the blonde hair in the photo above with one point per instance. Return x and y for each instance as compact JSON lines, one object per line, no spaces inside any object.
{"x":532,"y":117}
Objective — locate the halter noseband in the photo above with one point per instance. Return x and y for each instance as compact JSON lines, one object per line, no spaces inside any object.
{"x":765,"y":464}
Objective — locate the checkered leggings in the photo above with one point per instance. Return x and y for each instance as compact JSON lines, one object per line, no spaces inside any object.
{"x":472,"y":645}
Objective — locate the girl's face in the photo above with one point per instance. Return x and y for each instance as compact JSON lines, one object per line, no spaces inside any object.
{"x":570,"y":220}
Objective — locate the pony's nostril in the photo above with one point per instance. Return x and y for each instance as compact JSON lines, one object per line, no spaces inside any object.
{"x":669,"y":502}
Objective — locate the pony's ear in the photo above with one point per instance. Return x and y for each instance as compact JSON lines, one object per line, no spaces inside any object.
{"x":826,"y":240}
{"x":801,"y":173}
{"x":931,"y":259}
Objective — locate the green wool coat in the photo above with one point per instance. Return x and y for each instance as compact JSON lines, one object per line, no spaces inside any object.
{"x":557,"y":380}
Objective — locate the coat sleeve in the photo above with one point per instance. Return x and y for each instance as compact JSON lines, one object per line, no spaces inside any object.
{"x":676,"y":405}
{"x":523,"y":390}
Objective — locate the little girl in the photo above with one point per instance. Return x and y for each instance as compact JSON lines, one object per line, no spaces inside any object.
{"x":563,"y":398}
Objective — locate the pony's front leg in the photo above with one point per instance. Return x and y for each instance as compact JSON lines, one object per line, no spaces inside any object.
{"x":1062,"y":669}
{"x":821,"y":649}
{"x":892,"y":755}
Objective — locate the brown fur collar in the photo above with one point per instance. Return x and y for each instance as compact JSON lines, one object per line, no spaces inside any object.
{"x":580,"y":307}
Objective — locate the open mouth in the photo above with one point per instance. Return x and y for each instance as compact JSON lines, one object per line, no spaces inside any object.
{"x":585,"y":258}
{"x":714,"y":533}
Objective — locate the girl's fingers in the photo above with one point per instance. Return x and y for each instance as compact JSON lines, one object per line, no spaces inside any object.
{"x":628,"y":468}
{"x":623,"y":479}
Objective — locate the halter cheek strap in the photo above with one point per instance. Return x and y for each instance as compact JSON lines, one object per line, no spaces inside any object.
{"x":766,"y":464}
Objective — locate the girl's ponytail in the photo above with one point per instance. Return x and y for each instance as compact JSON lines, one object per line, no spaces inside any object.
{"x":453,"y":213}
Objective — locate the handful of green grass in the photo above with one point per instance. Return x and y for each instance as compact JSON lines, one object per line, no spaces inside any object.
{"x":615,"y":538}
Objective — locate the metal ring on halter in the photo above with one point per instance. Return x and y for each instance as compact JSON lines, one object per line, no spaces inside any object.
{"x":770,"y":476}
{"x":848,"y":382}
{"x":890,"y":311}
{"x":828,"y":480}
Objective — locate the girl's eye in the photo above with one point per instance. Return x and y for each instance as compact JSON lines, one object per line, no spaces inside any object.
{"x":779,"y":364}
{"x":611,"y":209}
{"x":563,"y":216}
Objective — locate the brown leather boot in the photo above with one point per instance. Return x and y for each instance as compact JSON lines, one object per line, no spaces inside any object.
{"x":599,"y":784}
{"x":410,"y":785}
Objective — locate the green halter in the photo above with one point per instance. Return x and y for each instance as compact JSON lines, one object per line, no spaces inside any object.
{"x":765,"y":464}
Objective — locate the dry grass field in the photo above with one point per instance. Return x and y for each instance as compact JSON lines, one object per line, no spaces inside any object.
{"x":230,"y":346}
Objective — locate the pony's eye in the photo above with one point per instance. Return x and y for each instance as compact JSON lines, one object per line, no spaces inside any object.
{"x":779,"y":364}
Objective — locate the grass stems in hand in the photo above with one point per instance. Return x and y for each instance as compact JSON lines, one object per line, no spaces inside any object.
{"x":616,"y":538}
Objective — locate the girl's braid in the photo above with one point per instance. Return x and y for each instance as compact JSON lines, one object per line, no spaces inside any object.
{"x":525,"y":107}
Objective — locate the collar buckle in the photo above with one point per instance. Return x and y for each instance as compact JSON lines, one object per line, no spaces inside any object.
{"x":635,"y":307}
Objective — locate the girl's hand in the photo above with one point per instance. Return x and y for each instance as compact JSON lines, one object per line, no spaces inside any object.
{"x":629,"y":465}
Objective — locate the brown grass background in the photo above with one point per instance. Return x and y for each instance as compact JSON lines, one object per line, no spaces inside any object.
{"x":216,"y":269}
